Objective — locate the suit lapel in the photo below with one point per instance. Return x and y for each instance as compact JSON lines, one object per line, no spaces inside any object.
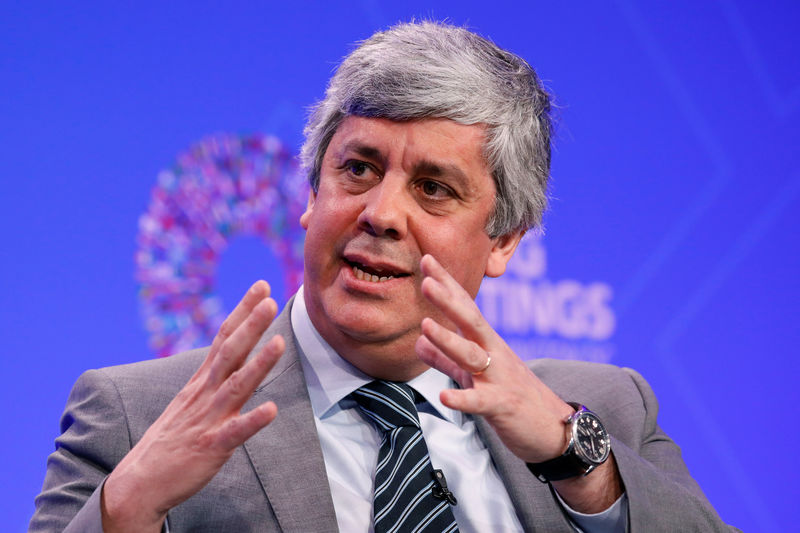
{"x":286,"y":455}
{"x":536,"y":506}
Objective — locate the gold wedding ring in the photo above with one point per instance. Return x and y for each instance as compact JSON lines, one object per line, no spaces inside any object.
{"x":482,"y":370}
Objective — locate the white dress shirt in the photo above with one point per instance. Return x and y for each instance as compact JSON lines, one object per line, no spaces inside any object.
{"x":350,"y":445}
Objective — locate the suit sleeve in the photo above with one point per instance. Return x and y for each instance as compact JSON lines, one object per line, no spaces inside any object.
{"x":662,"y":495}
{"x":94,"y":437}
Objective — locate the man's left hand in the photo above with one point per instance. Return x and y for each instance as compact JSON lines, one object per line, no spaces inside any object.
{"x":527,"y":416}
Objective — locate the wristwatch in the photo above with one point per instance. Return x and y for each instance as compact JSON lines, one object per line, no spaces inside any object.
{"x":589,"y":447}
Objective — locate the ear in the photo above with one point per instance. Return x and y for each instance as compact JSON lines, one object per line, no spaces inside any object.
{"x":309,"y":208}
{"x":501,"y":252}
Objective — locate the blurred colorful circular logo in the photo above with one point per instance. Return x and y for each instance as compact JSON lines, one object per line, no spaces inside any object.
{"x":222,"y":187}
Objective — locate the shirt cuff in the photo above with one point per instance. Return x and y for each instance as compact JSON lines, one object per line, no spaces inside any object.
{"x":612,"y":520}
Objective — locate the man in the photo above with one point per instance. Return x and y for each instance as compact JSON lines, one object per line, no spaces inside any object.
{"x":428,"y":161}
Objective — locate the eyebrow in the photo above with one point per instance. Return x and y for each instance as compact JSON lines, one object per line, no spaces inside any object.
{"x":364,"y":150}
{"x":426,"y":167}
{"x":436,"y":170}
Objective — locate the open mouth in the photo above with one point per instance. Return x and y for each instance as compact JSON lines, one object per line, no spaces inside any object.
{"x":373,"y":274}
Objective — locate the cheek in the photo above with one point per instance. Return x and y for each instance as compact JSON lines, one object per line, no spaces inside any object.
{"x":462,"y":249}
{"x":328,"y":213}
{"x":328,"y":224}
{"x":316,"y":237}
{"x":471,"y":275}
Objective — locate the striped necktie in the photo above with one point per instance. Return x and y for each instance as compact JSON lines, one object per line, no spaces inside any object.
{"x":404,"y":482}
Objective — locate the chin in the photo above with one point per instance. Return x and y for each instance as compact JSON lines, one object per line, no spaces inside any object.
{"x":371,"y":328}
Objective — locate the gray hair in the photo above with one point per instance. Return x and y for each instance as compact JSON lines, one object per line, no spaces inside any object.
{"x":435,"y":70}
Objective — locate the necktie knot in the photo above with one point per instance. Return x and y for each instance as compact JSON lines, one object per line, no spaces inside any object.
{"x":388,"y":404}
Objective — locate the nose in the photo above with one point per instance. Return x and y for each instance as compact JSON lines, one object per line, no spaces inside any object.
{"x":385,"y":212}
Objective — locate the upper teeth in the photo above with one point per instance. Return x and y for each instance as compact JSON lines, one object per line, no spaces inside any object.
{"x":366,"y":276}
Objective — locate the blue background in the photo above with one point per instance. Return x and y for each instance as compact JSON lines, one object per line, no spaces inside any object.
{"x":676,"y":180}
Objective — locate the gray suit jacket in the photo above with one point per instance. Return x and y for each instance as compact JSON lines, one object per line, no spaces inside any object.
{"x":277,"y":480}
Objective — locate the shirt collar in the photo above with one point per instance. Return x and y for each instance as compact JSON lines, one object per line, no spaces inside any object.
{"x":330,"y":378}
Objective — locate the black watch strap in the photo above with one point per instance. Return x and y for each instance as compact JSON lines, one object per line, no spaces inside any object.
{"x":562,"y":467}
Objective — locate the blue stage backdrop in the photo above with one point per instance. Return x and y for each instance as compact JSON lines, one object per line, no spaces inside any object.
{"x":149,"y":177}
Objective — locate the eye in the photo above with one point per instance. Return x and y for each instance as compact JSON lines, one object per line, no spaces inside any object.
{"x":434,"y":189}
{"x":356,"y":168}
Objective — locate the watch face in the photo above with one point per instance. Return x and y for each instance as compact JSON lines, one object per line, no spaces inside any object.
{"x":591,"y":439}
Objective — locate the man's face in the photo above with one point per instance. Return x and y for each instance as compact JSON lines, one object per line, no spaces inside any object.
{"x":389,"y":193}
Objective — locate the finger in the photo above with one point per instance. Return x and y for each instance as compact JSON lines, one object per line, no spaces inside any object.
{"x":255,"y":294}
{"x":237,"y":430}
{"x":470,"y":401}
{"x":240,"y":385}
{"x":433,"y":357}
{"x":464,"y":353}
{"x":234,"y":350}
{"x":456,"y":304}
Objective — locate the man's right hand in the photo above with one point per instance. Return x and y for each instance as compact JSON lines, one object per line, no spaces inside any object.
{"x":202,"y":426}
